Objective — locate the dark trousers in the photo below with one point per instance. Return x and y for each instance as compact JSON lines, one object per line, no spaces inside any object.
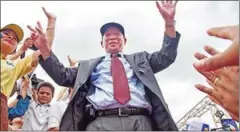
{"x":116,"y":123}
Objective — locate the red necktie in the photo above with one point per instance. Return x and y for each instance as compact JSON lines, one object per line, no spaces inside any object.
{"x":120,"y":81}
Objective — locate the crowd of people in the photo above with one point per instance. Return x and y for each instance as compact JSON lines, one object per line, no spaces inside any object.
{"x":112,"y":92}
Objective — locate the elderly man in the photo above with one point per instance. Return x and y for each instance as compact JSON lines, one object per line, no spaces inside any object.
{"x":116,"y":91}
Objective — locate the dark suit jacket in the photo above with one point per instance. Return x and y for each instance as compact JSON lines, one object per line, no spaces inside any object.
{"x":145,"y":65}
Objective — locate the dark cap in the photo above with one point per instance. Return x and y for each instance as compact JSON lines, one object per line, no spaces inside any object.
{"x":112,"y":24}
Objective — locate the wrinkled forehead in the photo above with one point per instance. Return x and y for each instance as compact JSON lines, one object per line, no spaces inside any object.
{"x":10,"y":32}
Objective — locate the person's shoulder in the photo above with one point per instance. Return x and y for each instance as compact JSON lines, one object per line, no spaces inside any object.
{"x":96,"y":58}
{"x":56,"y":104}
{"x":141,"y":53}
{"x":33,"y":104}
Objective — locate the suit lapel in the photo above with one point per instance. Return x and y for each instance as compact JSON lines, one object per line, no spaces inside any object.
{"x":141,"y":69}
{"x":84,"y":71}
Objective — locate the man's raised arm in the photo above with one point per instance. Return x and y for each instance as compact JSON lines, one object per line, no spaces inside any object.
{"x":163,"y":58}
{"x":49,"y":62}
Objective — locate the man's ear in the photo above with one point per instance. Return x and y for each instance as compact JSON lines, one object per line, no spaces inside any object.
{"x":125,"y":41}
{"x":102,"y":44}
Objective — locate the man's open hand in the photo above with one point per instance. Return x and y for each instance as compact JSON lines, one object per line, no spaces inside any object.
{"x":167,"y":9}
{"x":40,"y":40}
{"x":229,"y":57}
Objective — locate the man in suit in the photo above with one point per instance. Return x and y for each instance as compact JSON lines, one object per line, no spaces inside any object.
{"x":116,"y":91}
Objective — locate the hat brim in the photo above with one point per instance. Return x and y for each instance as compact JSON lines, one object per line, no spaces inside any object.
{"x":15,"y":28}
{"x":104,"y":28}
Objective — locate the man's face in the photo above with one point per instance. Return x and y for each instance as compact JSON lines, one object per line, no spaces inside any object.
{"x":8,"y":41}
{"x":113,"y":40}
{"x":44,"y":95}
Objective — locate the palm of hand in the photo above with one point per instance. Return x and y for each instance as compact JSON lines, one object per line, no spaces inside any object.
{"x":39,"y":40}
{"x":228,"y":91}
{"x":168,"y":11}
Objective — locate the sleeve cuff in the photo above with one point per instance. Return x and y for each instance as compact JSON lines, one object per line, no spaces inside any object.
{"x":26,"y":100}
{"x":29,"y":97}
{"x":172,"y":41}
{"x":41,"y":58}
{"x":19,"y":97}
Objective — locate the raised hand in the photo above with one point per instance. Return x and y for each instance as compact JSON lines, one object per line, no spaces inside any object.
{"x":40,"y":40}
{"x":50,"y":16}
{"x":28,"y":43}
{"x":71,"y":61}
{"x":167,"y":9}
{"x":229,"y":57}
{"x":25,"y":83}
{"x":50,"y":31}
{"x":224,"y":84}
{"x":25,"y":86}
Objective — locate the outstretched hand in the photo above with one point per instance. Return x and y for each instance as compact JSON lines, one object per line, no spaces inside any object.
{"x":71,"y":61}
{"x":40,"y":40}
{"x":28,"y":43}
{"x":50,"y":16}
{"x":224,"y":83}
{"x":229,"y":57}
{"x":167,"y":9}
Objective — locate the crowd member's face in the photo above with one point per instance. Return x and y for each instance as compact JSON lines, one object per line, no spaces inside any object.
{"x":44,"y":95}
{"x":8,"y":41}
{"x":113,"y":40}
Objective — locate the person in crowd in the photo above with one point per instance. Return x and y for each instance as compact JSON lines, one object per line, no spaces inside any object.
{"x":64,"y":93}
{"x":57,"y":110}
{"x":23,"y":101}
{"x":224,"y":83}
{"x":12,"y":71}
{"x":120,"y":91}
{"x":37,"y":114}
{"x":59,"y":107}
{"x":197,"y":124}
{"x":28,"y":43}
{"x":230,"y":57}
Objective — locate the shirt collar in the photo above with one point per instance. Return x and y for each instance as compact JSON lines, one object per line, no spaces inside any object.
{"x":38,"y":104}
{"x":108,"y":55}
